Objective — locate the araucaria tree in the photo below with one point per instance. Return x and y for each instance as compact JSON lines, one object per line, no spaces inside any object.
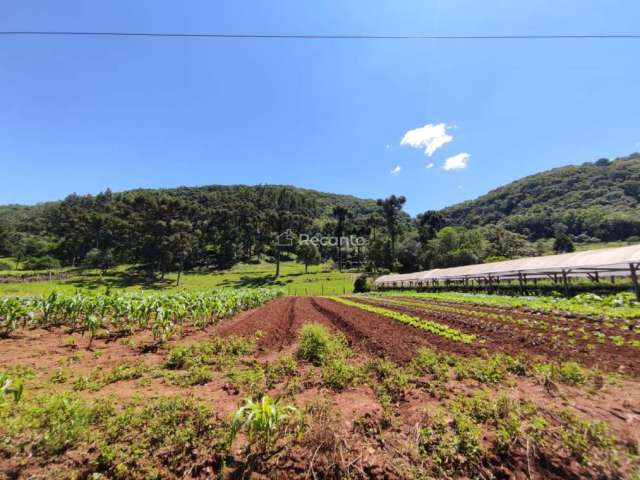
{"x":287,"y":209}
{"x":340,"y":214}
{"x":391,"y":208}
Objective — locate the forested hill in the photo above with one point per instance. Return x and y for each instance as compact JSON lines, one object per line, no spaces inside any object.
{"x":600,"y":199}
{"x":218,"y":225}
{"x":210,"y":225}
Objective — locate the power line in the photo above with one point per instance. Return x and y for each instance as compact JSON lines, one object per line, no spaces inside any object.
{"x":322,"y":36}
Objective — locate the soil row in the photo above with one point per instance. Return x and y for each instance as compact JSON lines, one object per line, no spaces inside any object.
{"x":590,"y":323}
{"x":280,"y":321}
{"x":515,"y":339}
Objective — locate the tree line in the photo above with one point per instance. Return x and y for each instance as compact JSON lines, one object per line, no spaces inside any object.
{"x":216,"y":227}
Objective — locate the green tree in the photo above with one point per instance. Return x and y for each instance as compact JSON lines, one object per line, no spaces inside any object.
{"x":429,"y":224}
{"x":308,"y":254}
{"x":563,"y":243}
{"x":455,"y":246}
{"x":391,"y":208}
{"x":500,"y":242}
{"x":287,"y":209}
{"x":4,"y":234}
{"x":340,"y":214}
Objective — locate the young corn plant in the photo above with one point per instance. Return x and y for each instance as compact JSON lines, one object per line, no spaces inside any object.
{"x":263,"y":422}
{"x":92,"y":324}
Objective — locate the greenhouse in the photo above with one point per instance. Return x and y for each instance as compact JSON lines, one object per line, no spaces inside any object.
{"x":591,"y":264}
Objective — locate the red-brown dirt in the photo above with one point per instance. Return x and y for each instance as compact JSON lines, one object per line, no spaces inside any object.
{"x":516,"y":339}
{"x":350,"y":411}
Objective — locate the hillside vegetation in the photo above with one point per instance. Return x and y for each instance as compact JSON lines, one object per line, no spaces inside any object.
{"x":600,"y":199}
{"x":217,"y":227}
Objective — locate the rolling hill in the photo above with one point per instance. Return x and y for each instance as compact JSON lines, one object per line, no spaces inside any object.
{"x":599,"y":199}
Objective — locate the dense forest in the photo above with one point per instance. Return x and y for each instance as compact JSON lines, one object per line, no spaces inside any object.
{"x":217,"y":226}
{"x":600,"y":200}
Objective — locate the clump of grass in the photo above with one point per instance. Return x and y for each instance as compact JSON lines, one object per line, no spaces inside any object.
{"x":316,"y":343}
{"x":427,"y":361}
{"x":284,"y":367}
{"x":582,"y":438}
{"x":330,"y":352}
{"x":391,"y":381}
{"x":129,"y":442}
{"x":571,"y":373}
{"x":219,"y":352}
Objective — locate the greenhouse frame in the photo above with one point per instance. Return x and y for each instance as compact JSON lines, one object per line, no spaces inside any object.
{"x":591,"y":264}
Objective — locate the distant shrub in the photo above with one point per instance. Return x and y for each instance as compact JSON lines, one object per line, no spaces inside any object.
{"x":361,"y":285}
{"x":41,"y":263}
{"x":330,"y":266}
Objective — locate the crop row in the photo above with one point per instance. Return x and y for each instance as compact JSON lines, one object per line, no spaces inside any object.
{"x":427,"y":325}
{"x":583,"y":330}
{"x":123,"y":313}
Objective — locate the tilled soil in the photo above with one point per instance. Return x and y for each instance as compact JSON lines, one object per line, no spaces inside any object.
{"x":575,"y":321}
{"x":350,"y":411}
{"x":281,"y":320}
{"x":516,"y":339}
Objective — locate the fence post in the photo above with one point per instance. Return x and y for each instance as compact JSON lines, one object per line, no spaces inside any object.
{"x":565,"y":282}
{"x":634,"y":279}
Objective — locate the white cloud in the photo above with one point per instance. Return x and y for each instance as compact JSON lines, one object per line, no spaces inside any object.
{"x":457,"y":162}
{"x":388,"y":146}
{"x":430,"y":137}
{"x":396,"y":170}
{"x":430,"y":165}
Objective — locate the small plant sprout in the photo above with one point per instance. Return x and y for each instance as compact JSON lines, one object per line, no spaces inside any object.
{"x":9,"y":387}
{"x":263,"y":421}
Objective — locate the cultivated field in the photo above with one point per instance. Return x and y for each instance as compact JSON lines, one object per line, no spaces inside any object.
{"x":361,"y":386}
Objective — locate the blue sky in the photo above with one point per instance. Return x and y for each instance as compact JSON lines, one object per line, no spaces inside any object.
{"x":84,"y":114}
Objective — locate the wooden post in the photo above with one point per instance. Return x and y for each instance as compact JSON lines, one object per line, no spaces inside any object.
{"x":565,"y":282}
{"x":634,"y":279}
{"x":521,"y":282}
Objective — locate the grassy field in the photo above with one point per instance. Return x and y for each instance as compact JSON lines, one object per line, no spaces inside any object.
{"x":293,"y":279}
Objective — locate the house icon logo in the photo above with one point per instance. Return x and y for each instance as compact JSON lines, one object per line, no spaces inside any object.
{"x":286,"y":239}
